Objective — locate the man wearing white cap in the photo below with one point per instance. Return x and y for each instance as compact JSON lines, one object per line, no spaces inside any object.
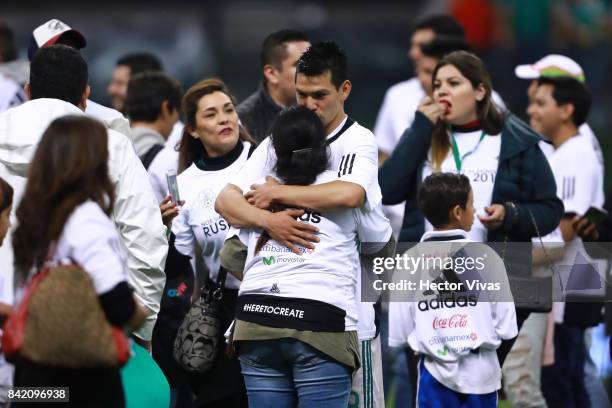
{"x":55,"y":31}
{"x":556,"y":66}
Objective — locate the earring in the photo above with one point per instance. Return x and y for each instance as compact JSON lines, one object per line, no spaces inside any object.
{"x":194,"y":135}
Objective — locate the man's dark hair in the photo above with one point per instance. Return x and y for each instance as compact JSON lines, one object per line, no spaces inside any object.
{"x":441,"y":24}
{"x":140,"y":62}
{"x":440,"y":193}
{"x":274,"y":47}
{"x":8,"y":49}
{"x":568,"y":90}
{"x":147,"y":91}
{"x":58,"y":72}
{"x":443,"y":45}
{"x":322,"y":57}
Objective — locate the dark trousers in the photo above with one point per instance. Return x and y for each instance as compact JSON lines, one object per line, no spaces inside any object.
{"x":563,"y":382}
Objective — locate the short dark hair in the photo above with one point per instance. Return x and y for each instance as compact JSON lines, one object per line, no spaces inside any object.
{"x":147,"y":91}
{"x":443,"y":45}
{"x":8,"y":49}
{"x":441,"y":24}
{"x":58,"y":72}
{"x":140,"y":62}
{"x":322,"y":57}
{"x":274,"y":47}
{"x":567,"y":90}
{"x":440,"y":193}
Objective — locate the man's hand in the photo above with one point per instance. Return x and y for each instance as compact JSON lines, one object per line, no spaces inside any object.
{"x":585,"y":228}
{"x":262,"y":195}
{"x":169,"y":210}
{"x":434,"y":111}
{"x":494,"y":218}
{"x":286,"y":230}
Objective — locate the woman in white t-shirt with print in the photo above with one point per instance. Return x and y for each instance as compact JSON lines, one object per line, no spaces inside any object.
{"x":213,"y":149}
{"x":64,"y":215}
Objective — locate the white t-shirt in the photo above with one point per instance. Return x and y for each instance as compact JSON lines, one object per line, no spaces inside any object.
{"x":166,"y":160}
{"x":329,"y":273}
{"x":197,"y":219}
{"x":176,"y":135}
{"x":480,"y":167}
{"x":579,"y":185}
{"x":353,"y":156}
{"x":91,"y":240}
{"x":11,"y":94}
{"x":478,"y":324}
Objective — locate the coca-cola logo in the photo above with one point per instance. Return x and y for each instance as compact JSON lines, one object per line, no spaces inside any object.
{"x":453,"y":322}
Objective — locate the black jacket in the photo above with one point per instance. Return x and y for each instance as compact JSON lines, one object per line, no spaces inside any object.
{"x":257,"y":112}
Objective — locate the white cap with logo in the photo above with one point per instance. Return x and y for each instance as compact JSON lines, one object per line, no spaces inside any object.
{"x":551,"y":66}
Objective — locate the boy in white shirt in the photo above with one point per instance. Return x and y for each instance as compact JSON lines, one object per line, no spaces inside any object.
{"x":457,"y":341}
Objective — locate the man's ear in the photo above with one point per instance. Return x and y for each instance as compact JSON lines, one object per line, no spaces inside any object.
{"x":567,"y":110}
{"x":28,"y":91}
{"x":83,"y":101}
{"x":345,"y":90}
{"x":271,"y":74}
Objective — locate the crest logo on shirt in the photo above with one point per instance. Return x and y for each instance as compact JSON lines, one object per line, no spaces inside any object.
{"x":274,"y":288}
{"x":205,"y":199}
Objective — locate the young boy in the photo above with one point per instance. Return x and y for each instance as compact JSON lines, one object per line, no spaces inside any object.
{"x":455,"y":331}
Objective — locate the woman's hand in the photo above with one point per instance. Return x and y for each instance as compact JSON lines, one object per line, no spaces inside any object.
{"x":434,"y":111}
{"x":285,"y":229}
{"x":494,"y":218}
{"x":169,"y":209}
{"x":263,"y":195}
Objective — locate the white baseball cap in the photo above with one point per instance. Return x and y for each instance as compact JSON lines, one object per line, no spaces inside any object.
{"x":551,"y":66}
{"x":50,"y":32}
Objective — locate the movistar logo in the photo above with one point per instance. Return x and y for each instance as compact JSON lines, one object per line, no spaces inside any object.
{"x":268,"y":260}
{"x":443,"y":351}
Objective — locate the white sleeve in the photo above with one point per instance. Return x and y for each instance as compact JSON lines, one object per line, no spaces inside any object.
{"x":260,"y":164}
{"x":578,"y":182}
{"x":93,"y":242}
{"x":401,"y":323}
{"x":185,"y":240}
{"x":383,"y":128}
{"x":359,"y":165}
{"x":504,"y":317}
{"x":138,"y":219}
{"x":373,"y":228}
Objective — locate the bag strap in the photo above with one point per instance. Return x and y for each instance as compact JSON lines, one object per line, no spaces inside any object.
{"x":148,"y":157}
{"x":548,"y":258}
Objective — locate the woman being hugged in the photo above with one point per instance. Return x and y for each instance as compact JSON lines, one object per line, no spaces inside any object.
{"x":64,"y":215}
{"x":296,"y":319}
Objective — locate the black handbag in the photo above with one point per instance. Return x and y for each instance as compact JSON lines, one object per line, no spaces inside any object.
{"x":532,"y":293}
{"x":196,"y":345}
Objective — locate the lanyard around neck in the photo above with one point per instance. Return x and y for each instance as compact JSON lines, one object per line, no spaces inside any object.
{"x":457,"y":156}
